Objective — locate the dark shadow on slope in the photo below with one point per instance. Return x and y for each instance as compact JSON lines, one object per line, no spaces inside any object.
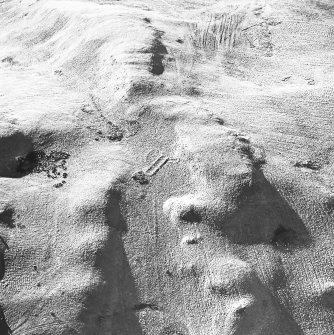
{"x":6,"y":222}
{"x":326,"y":297}
{"x":286,"y":324}
{"x":264,"y":216}
{"x":261,"y":314}
{"x":18,"y":158}
{"x":4,"y":328}
{"x":12,"y":147}
{"x":44,"y":35}
{"x":115,"y":300}
{"x":2,"y":263}
{"x":324,"y":5}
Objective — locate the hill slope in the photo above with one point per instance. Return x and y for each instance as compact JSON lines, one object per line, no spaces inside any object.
{"x":166,"y":167}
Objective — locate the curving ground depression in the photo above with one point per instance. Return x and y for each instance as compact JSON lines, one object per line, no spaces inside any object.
{"x":166,"y":167}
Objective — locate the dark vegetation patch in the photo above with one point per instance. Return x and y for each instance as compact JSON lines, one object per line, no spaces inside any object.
{"x":218,"y":120}
{"x":9,"y":60}
{"x":168,"y":331}
{"x":218,"y":290}
{"x":169,"y":273}
{"x":286,"y":78}
{"x":59,"y":184}
{"x":109,"y":130}
{"x":53,"y":164}
{"x":158,"y":51}
{"x":87,"y":109}
{"x":141,"y":88}
{"x":329,"y":204}
{"x":140,"y":177}
{"x":243,"y":140}
{"x":248,"y":151}
{"x":132,"y":127}
{"x":308,"y":164}
{"x":310,"y":81}
{"x":192,"y":91}
{"x":58,"y":72}
{"x":114,"y":133}
{"x":174,"y":329}
{"x":193,"y":241}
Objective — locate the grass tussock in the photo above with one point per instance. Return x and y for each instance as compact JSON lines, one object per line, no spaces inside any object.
{"x":216,"y":32}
